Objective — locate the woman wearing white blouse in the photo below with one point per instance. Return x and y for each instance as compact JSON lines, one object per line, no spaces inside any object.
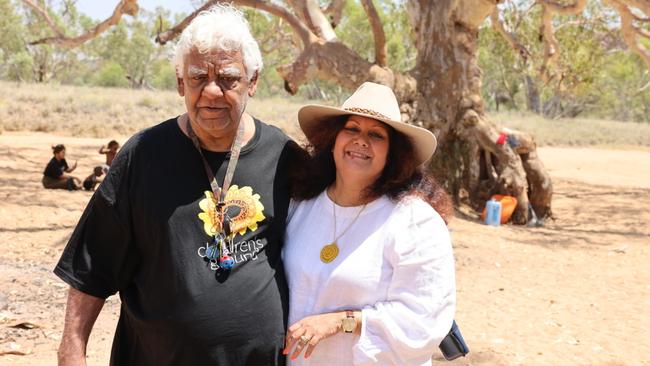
{"x":367,"y":253}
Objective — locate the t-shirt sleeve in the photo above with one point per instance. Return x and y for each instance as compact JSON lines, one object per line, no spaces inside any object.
{"x":420,"y":306}
{"x":100,"y":257}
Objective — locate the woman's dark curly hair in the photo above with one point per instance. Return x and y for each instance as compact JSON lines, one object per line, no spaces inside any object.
{"x":401,"y":176}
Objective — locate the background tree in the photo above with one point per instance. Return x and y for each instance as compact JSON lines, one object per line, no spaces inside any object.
{"x":111,"y":53}
{"x":568,"y":89}
{"x":624,"y":88}
{"x":441,"y":88}
{"x":15,"y":63}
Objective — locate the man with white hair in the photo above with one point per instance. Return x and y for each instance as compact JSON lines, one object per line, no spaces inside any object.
{"x":189,"y":222}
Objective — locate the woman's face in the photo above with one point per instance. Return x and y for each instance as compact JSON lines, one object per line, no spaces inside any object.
{"x":60,"y":155}
{"x":360,"y":149}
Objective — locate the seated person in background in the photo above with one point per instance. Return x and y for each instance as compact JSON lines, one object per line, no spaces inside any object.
{"x":55,"y":177}
{"x":93,"y":180}
{"x":110,"y":152}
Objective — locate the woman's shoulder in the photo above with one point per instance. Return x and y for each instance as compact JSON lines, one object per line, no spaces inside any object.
{"x":295,"y":204}
{"x":300,"y":209}
{"x":415,"y":226}
{"x":413,"y":210}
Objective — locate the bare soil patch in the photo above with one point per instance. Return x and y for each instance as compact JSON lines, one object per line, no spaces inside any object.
{"x":574,"y":292}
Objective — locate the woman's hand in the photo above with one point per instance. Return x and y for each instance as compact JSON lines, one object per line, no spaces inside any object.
{"x":308,"y":332}
{"x":73,"y":167}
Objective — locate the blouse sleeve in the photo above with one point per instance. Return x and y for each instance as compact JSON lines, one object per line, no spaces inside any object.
{"x":408,"y":327}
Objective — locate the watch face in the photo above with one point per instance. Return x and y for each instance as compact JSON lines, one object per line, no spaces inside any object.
{"x":349,"y":324}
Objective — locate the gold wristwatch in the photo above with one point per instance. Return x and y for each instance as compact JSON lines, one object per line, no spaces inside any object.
{"x":349,"y":323}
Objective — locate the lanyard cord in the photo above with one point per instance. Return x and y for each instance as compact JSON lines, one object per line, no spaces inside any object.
{"x":235,"y":149}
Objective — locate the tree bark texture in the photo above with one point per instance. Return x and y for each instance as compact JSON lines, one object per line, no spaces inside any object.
{"x":533,"y":99}
{"x":449,"y":103}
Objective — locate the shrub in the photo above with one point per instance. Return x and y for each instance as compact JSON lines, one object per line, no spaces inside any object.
{"x":20,"y":66}
{"x":164,"y":76}
{"x":111,"y":75}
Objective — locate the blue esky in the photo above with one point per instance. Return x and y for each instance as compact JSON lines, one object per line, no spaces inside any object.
{"x":102,"y":9}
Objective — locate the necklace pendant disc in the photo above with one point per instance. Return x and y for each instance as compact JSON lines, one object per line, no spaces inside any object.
{"x":329,"y":252}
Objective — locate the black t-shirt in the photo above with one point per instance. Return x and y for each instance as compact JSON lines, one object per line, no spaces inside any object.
{"x":141,"y":233}
{"x":55,"y":168}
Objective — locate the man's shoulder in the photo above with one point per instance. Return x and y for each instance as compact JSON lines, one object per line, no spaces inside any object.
{"x":145,"y":142}
{"x":160,"y":130}
{"x":272,"y":133}
{"x":150,"y":136}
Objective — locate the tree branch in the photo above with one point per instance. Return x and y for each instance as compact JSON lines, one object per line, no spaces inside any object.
{"x":314,"y":18}
{"x":334,"y":12}
{"x":298,"y":26}
{"x":643,"y":32}
{"x":564,"y":9}
{"x":630,"y":33}
{"x":319,"y":20}
{"x":377,"y":32}
{"x":46,"y":16}
{"x":643,"y":5}
{"x":551,"y":45}
{"x":472,"y":13}
{"x":175,"y":31}
{"x":641,"y":19}
{"x":497,"y":24}
{"x":267,"y":44}
{"x":129,"y":7}
{"x":335,"y":62}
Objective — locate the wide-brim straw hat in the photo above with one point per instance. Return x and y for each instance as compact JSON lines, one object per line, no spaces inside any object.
{"x":373,"y":101}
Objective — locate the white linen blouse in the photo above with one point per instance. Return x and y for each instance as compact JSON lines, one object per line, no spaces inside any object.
{"x":395,"y":264}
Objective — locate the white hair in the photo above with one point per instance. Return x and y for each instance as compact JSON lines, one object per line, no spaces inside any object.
{"x":222,"y":27}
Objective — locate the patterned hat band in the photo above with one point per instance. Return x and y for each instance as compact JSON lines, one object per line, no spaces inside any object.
{"x":369,"y":112}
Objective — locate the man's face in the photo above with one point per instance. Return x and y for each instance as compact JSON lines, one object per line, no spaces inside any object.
{"x":216,"y":90}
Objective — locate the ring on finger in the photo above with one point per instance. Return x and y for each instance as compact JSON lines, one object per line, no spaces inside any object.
{"x":304,"y":339}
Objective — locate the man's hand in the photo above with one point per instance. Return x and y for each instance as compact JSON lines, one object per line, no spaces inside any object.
{"x":80,"y":315}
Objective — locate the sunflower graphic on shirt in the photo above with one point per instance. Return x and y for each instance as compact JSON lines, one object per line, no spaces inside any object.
{"x":242,"y":206}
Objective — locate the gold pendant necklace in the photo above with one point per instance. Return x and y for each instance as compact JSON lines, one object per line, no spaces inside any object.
{"x":330,"y":251}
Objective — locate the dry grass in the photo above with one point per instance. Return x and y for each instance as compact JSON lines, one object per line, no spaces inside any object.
{"x":112,"y":112}
{"x":108,"y":112}
{"x":578,"y":131}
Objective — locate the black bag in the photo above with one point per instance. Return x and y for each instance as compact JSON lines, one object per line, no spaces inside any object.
{"x":453,"y":346}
